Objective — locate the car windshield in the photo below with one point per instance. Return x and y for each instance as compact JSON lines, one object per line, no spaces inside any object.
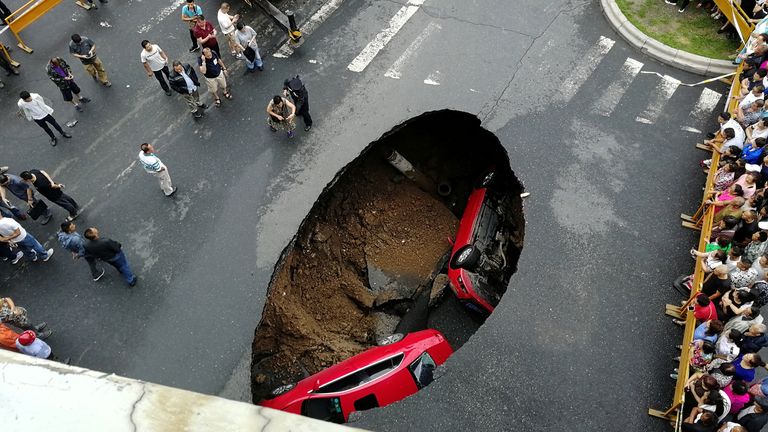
{"x":422,"y":370}
{"x":362,"y":376}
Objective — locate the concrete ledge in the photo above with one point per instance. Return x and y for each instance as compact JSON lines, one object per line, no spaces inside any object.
{"x":671,"y":56}
{"x":40,"y":395}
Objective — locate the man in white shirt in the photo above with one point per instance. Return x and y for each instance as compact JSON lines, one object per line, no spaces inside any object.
{"x":34,"y":109}
{"x":153,"y":165}
{"x":227,"y":23}
{"x":12,"y":232}
{"x":155,"y":63}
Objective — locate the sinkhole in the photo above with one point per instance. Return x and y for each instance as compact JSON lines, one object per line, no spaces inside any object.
{"x":406,"y":251}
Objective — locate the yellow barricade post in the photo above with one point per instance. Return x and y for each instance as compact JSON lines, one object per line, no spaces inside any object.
{"x":26,"y":15}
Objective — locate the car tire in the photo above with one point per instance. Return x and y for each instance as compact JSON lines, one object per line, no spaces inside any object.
{"x":281,"y":390}
{"x":389,"y":340}
{"x":466,"y":257}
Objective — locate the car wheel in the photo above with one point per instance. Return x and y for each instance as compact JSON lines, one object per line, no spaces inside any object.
{"x":281,"y":390}
{"x":466,"y":257}
{"x":389,"y":340}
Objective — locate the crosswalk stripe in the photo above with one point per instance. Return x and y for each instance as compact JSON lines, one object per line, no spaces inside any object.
{"x":394,"y":71}
{"x":310,"y":26}
{"x":585,"y":68}
{"x":615,"y":91}
{"x":660,"y":95}
{"x":707,"y":102}
{"x":384,"y":36}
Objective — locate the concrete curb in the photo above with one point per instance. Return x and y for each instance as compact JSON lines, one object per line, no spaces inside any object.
{"x":663,"y":53}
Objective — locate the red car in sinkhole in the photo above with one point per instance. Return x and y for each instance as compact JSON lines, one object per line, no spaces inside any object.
{"x":478,"y":271}
{"x":397,"y":368}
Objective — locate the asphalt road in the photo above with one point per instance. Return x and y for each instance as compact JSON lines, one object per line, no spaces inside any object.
{"x":579,"y":342}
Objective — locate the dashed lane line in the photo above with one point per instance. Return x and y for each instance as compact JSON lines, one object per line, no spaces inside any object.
{"x":384,"y":36}
{"x":660,"y":95}
{"x":395,"y":71}
{"x":585,"y":68}
{"x":615,"y":91}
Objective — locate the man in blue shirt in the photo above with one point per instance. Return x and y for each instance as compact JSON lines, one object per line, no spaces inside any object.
{"x":23,"y":191}
{"x":189,"y":14}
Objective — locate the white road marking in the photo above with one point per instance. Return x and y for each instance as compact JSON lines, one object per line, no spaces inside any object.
{"x":433,"y":79}
{"x":707,"y":102}
{"x":615,"y":91}
{"x":660,"y":95}
{"x":161,"y":15}
{"x":394,"y":70}
{"x":310,"y":26}
{"x":690,"y":129}
{"x":382,"y":39}
{"x":585,"y":68}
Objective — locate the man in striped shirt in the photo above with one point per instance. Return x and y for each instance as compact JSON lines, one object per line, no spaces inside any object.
{"x":153,"y":165}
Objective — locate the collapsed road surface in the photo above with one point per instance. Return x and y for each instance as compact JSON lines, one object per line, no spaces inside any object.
{"x":368,"y":260}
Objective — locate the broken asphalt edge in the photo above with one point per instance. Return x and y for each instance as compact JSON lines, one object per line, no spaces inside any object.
{"x":671,"y":56}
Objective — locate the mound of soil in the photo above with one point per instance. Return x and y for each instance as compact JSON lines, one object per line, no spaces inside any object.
{"x":322,"y":307}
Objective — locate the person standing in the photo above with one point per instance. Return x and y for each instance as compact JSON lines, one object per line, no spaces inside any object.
{"x":85,"y":49}
{"x":70,"y":240}
{"x":17,"y":317}
{"x":12,"y":232}
{"x":153,"y":165}
{"x":109,"y":251}
{"x":5,"y":63}
{"x":4,"y":13}
{"x":281,"y":114}
{"x":34,"y":109}
{"x":21,"y":190}
{"x":92,"y":4}
{"x":51,"y":190}
{"x":183,"y":80}
{"x":189,"y":14}
{"x":61,"y":74}
{"x":155,"y":63}
{"x":227,"y":23}
{"x":206,"y":34}
{"x":246,"y":39}
{"x":215,"y":72}
{"x":300,"y":96}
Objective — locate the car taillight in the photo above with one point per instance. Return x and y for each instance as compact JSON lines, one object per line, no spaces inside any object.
{"x":461,"y":284}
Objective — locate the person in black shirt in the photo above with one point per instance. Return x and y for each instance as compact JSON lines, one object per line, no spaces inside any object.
{"x":108,"y":251}
{"x":707,"y":422}
{"x":754,"y":416}
{"x":51,"y":190}
{"x":215,"y":72}
{"x":748,"y":227}
{"x":717,"y":283}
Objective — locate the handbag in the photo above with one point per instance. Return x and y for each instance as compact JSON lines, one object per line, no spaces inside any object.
{"x":250,"y":54}
{"x":37,"y":209}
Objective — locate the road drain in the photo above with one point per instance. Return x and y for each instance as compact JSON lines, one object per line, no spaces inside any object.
{"x":370,"y":259}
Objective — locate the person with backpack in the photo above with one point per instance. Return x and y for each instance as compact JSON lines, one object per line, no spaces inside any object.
{"x":298,"y":92}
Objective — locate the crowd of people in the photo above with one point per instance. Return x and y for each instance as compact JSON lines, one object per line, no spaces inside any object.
{"x":35,"y":188}
{"x":723,"y":393}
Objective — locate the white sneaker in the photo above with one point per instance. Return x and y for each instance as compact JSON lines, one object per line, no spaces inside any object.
{"x":19,"y":256}
{"x":48,"y":254}
{"x":96,"y":279}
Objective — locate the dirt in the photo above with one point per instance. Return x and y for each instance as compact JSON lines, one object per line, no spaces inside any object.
{"x":366,"y":260}
{"x":321,"y":308}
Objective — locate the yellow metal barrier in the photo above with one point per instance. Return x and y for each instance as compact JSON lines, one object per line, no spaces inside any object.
{"x":701,"y":220}
{"x":735,"y":14}
{"x":26,"y":15}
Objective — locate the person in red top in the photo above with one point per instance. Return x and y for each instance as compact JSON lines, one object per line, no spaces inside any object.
{"x":703,"y":310}
{"x":206,"y":34}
